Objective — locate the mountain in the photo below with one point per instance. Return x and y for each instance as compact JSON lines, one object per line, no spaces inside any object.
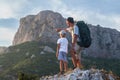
{"x":40,"y":27}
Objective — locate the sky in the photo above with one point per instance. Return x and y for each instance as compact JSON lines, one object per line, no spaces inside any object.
{"x":103,"y":12}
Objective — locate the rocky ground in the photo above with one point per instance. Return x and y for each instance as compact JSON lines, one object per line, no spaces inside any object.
{"x":78,"y":74}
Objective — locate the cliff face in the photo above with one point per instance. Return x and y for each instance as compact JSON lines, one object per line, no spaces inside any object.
{"x":105,"y":41}
{"x":39,"y":27}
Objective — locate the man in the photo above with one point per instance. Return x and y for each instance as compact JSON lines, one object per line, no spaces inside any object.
{"x":75,"y":48}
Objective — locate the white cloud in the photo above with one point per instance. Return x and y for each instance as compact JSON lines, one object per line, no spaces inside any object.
{"x":6,"y":36}
{"x":91,"y":17}
{"x":9,"y":8}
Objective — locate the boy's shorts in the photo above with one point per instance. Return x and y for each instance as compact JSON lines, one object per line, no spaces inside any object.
{"x":62,"y":56}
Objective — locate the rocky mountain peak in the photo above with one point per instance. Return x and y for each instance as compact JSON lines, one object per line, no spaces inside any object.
{"x":39,"y":27}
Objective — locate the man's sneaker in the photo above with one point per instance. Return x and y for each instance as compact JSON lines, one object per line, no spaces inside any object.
{"x":74,"y":68}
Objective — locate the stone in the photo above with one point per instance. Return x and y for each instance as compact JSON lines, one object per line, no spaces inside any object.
{"x":48,"y":49}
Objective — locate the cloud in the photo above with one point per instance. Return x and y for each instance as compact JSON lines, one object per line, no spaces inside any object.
{"x":10,"y":8}
{"x":97,"y":12}
{"x":6,"y":36}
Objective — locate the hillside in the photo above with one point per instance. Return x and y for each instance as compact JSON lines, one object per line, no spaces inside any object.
{"x":32,"y":58}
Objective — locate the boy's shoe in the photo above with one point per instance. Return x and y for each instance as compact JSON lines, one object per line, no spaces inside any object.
{"x":60,"y":73}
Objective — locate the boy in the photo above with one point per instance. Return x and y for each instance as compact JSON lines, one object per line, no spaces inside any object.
{"x":62,"y":50}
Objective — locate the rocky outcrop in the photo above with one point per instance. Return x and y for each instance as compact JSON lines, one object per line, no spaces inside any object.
{"x":105,"y":41}
{"x":48,"y":49}
{"x":77,"y":74}
{"x":39,"y":27}
{"x":3,"y":50}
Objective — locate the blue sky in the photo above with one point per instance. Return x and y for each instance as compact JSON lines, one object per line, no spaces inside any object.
{"x":103,"y":12}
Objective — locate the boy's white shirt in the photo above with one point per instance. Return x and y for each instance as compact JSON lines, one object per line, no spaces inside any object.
{"x":63,"y":44}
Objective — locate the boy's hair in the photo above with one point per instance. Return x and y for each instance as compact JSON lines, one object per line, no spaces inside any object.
{"x":63,"y":33}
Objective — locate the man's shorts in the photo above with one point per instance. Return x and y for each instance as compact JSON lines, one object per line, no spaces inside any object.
{"x":62,"y":56}
{"x":78,"y":51}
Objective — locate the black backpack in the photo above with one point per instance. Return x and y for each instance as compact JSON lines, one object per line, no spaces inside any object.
{"x":84,"y":34}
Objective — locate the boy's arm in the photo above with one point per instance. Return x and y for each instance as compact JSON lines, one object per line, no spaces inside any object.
{"x":57,"y":52}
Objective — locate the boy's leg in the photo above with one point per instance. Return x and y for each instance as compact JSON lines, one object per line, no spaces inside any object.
{"x":65,"y":66}
{"x":61,"y":65}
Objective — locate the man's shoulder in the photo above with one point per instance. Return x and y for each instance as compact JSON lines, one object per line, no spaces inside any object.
{"x":75,"y":26}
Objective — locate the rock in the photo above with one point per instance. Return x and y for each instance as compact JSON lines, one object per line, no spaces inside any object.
{"x":42,"y":52}
{"x":27,"y":54}
{"x":33,"y":56}
{"x":48,"y":49}
{"x":3,"y":50}
{"x":17,"y":50}
{"x":78,"y":74}
{"x":1,"y":68}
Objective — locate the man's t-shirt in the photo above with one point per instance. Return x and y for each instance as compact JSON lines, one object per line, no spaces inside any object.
{"x":73,"y":30}
{"x":63,"y":44}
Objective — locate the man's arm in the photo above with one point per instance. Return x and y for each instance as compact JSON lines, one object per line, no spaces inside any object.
{"x":75,"y":36}
{"x":59,"y":29}
{"x":74,"y":40}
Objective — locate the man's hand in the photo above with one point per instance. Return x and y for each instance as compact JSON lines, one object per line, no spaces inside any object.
{"x":57,"y":29}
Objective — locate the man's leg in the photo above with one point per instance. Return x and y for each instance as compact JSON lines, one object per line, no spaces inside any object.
{"x":73,"y":59}
{"x":78,"y":50}
{"x":79,"y":64}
